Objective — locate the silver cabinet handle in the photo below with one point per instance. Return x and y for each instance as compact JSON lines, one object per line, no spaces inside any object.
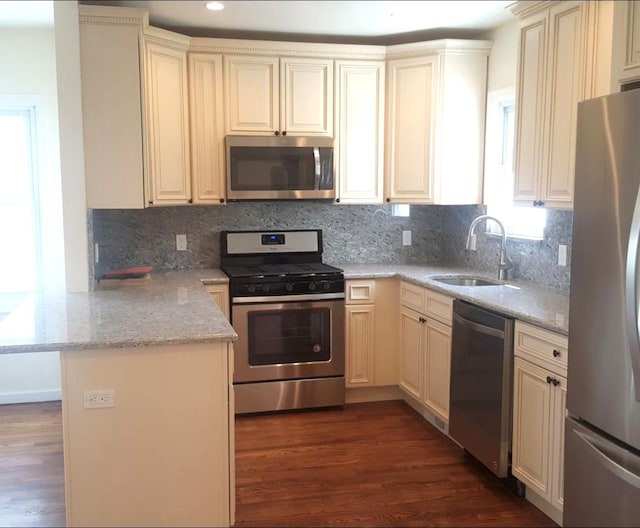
{"x":598,"y":451}
{"x":316,"y":158}
{"x":631,"y":296}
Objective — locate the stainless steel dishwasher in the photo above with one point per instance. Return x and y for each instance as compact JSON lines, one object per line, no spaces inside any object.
{"x":481,"y":381}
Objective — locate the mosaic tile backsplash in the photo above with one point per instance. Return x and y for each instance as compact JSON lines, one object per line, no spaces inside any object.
{"x":352,"y":234}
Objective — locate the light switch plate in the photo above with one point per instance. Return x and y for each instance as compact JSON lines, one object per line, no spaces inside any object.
{"x":181,"y":242}
{"x":562,"y":255}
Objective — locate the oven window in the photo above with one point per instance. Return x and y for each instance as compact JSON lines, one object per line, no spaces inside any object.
{"x":289,"y":336}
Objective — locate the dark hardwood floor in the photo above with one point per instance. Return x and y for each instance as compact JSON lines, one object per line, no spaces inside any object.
{"x":374,"y":464}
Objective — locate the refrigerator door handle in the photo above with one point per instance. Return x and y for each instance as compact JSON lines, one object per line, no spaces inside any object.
{"x":598,"y":449}
{"x":631,"y":296}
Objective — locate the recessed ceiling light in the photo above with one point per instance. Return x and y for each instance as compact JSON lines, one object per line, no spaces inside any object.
{"x":215,"y":6}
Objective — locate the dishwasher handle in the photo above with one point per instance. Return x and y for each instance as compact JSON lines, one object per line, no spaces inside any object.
{"x":487,"y":330}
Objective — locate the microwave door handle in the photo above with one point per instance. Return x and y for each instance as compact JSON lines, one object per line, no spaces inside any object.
{"x":316,"y":158}
{"x":631,"y":295}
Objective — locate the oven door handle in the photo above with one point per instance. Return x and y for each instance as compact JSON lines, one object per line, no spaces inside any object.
{"x":288,"y":298}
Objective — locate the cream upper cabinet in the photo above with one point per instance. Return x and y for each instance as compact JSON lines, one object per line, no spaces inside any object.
{"x":359,"y":111}
{"x":271,"y":95}
{"x":539,"y":411}
{"x":112,"y":118}
{"x":429,"y":96}
{"x":626,"y":43}
{"x":207,"y":132}
{"x":559,"y":65}
{"x":425,"y":347}
{"x":167,"y":122}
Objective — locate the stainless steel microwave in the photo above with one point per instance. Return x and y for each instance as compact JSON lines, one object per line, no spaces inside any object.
{"x":279,"y":168}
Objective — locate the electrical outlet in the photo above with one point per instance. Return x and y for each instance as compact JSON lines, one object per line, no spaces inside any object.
{"x":98,"y":399}
{"x":181,"y":242}
{"x":562,"y":255}
{"x":406,"y":238}
{"x":96,"y":252}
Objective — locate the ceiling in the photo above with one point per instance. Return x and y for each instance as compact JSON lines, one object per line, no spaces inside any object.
{"x":26,"y":14}
{"x":342,"y":21}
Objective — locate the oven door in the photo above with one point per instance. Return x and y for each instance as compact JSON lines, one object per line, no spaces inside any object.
{"x":289,"y":340}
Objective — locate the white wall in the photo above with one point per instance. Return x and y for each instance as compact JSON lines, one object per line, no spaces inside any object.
{"x":28,"y":67}
{"x":503,"y":61}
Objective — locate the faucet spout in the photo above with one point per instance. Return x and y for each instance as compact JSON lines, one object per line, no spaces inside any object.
{"x":505,"y":264}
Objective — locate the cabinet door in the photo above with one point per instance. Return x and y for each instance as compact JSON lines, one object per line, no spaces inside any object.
{"x":220,"y":294}
{"x":112,"y":119}
{"x":412,"y":117}
{"x":626,"y":43}
{"x":306,"y":95}
{"x":252,"y":95}
{"x":360,"y":330}
{"x":168,"y":125}
{"x":531,"y":426}
{"x":437,"y":367}
{"x":530,"y":108}
{"x":564,"y":90}
{"x":360,"y":131}
{"x":558,"y":415}
{"x":207,"y":133}
{"x":411,"y":353}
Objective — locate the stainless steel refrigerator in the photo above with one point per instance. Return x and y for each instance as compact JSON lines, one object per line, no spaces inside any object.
{"x":602,"y":435}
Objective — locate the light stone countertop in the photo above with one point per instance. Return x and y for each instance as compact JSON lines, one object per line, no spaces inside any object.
{"x":544,"y":307}
{"x":172,"y":308}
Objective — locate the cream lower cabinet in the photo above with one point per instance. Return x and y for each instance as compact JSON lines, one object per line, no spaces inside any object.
{"x":220,"y":294}
{"x":539,"y":410}
{"x":425,"y":347}
{"x":371,"y":333}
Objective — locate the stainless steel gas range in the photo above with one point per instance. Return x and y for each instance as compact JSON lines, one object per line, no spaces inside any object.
{"x":288,"y":309}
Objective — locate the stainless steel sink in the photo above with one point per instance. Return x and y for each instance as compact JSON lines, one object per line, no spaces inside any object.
{"x":467,"y":281}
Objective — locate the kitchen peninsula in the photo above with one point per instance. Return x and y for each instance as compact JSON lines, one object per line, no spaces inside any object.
{"x":153,"y":444}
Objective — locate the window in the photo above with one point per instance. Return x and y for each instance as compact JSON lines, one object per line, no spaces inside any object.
{"x":519,"y":221}
{"x":19,"y":231}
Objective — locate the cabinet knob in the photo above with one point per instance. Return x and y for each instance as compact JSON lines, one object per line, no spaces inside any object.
{"x":190,"y":200}
{"x":277,"y":132}
{"x":556,"y":353}
{"x":221,"y":200}
{"x":422,"y":320}
{"x":553,"y":380}
{"x":538,"y":203}
{"x":388,"y":200}
{"x":337,"y":200}
{"x":284,"y":132}
{"x":150,"y":202}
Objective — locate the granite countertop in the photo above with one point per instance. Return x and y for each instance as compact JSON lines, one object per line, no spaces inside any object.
{"x":171,"y":308}
{"x":544,"y":307}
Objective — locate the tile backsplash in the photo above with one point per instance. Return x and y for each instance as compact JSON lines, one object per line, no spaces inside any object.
{"x":352,"y":234}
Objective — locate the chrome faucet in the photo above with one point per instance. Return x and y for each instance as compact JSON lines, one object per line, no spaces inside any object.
{"x":505,"y":263}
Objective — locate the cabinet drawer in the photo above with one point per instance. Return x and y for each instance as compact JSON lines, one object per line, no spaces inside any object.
{"x":541,"y":347}
{"x":438,"y":306}
{"x":412,"y":296}
{"x":360,"y":292}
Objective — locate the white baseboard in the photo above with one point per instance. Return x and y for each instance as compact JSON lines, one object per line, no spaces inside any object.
{"x":372,"y":394}
{"x":30,"y":396}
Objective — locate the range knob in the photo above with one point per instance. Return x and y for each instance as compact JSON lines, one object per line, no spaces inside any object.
{"x":288,"y":286}
{"x":251,"y":288}
{"x":312,"y":286}
{"x":265,"y":288}
{"x":326,"y":285}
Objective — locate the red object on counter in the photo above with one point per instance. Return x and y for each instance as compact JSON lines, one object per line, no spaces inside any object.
{"x":127,"y":273}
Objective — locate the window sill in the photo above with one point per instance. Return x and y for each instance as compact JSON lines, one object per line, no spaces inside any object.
{"x":523,"y":238}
